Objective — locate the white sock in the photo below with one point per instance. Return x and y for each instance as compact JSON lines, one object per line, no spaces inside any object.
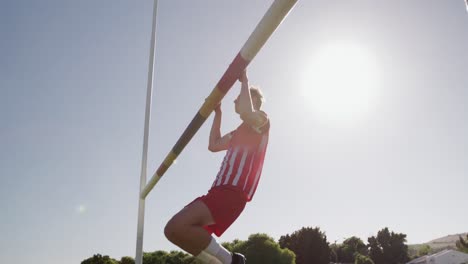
{"x":219,"y":252}
{"x":207,"y":258}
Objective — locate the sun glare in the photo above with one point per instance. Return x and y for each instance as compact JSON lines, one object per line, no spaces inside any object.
{"x":81,"y":209}
{"x":342,"y":82}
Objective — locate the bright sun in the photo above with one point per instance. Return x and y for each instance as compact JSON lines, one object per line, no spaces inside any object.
{"x":342,"y":82}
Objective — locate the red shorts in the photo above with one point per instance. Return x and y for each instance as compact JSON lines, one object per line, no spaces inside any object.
{"x":225,"y":206}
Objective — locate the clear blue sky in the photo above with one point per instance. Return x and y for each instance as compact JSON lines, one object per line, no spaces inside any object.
{"x":73,"y":85}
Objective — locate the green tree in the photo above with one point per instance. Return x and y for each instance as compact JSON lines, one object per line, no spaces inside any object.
{"x":173,"y":257}
{"x":362,"y":259}
{"x":99,"y":259}
{"x":156,"y":257}
{"x":309,"y":244}
{"x":179,"y":257}
{"x":388,"y":248}
{"x":462,"y":244}
{"x":356,"y":245}
{"x":424,"y":250}
{"x":260,"y":249}
{"x":127,"y":260}
{"x":345,"y":253}
{"x":231,"y":245}
{"x":334,"y":248}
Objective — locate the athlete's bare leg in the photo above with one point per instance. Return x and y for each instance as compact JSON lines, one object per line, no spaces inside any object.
{"x":186,"y":230}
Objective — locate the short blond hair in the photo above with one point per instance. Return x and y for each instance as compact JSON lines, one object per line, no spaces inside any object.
{"x":257,"y":97}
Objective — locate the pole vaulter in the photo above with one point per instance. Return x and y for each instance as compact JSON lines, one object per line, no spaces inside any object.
{"x":265,"y":28}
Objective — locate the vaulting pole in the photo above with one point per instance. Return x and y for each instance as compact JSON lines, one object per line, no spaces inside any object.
{"x":267,"y":25}
{"x":149,"y":91}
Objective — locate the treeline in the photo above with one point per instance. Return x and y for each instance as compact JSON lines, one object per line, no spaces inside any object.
{"x":305,"y":246}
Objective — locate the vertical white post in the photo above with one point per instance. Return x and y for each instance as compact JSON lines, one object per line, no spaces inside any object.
{"x":149,"y":91}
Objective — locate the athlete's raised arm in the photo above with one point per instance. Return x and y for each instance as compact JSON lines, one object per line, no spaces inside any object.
{"x":218,"y":143}
{"x":249,"y":105}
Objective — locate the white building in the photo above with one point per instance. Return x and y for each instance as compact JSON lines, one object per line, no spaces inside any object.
{"x":447,"y":256}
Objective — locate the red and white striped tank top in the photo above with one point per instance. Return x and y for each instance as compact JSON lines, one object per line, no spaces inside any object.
{"x":242,"y":166}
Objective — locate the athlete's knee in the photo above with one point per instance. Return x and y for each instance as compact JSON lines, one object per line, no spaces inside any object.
{"x":174,"y":229}
{"x":170,"y":231}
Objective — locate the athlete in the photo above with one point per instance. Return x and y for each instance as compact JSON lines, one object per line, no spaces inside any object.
{"x":191,"y":229}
